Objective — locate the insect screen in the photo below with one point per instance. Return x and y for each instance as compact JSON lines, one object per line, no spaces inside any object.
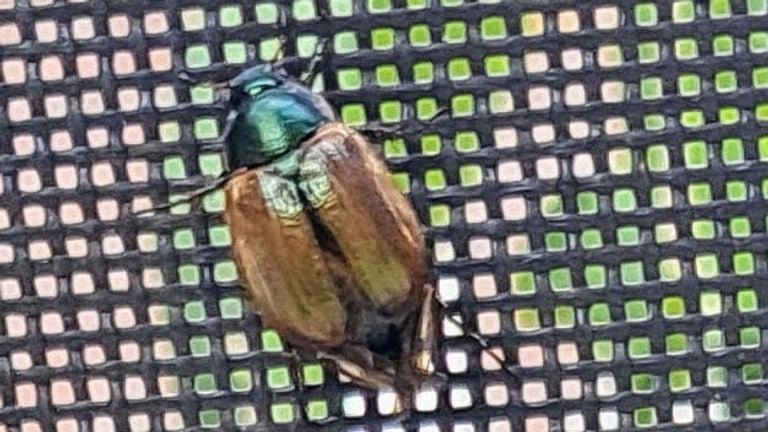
{"x":594,"y":203}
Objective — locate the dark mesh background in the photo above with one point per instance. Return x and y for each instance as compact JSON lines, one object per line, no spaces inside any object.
{"x":595,"y":203}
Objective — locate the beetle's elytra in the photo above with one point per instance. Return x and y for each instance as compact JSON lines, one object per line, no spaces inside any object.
{"x":330,"y":252}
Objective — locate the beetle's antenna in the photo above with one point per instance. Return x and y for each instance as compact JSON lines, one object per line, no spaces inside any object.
{"x":483,"y":342}
{"x":313,"y":68}
{"x":220,"y":182}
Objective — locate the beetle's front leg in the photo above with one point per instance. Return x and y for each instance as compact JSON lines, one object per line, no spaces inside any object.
{"x":424,"y":344}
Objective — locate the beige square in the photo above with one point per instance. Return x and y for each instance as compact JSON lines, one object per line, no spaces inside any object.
{"x":119,"y":25}
{"x":21,"y":360}
{"x":124,"y":317}
{"x":164,"y":96}
{"x":578,"y":129}
{"x":137,"y":170}
{"x":9,"y":34}
{"x":112,"y":245}
{"x":7,"y":4}
{"x":134,"y":388}
{"x":160,"y":59}
{"x":530,"y":356}
{"x":62,"y":392}
{"x":489,"y":359}
{"x":607,"y":17}
{"x":128,"y":99}
{"x":456,"y":361}
{"x":133,"y":134}
{"x":123,"y":63}
{"x":60,"y":141}
{"x":163,"y":349}
{"x":505,"y":137}
{"x":152,"y":278}
{"x":155,"y":22}
{"x":572,"y":59}
{"x":173,"y":421}
{"x":489,"y":322}
{"x":496,"y":394}
{"x":548,"y":168}
{"x":609,"y":56}
{"x":82,"y":283}
{"x":518,"y":244}
{"x":10,"y":289}
{"x":94,"y":354}
{"x":87,"y":65}
{"x":7,"y":253}
{"x":99,"y":390}
{"x":34,"y":215}
{"x":534,"y":392}
{"x":536,"y":62}
{"x":26,"y":395}
{"x":139,"y":422}
{"x":130,"y":352}
{"x":480,"y":248}
{"x":51,"y":68}
{"x":448,"y":288}
{"x":612,"y":91}
{"x":543,"y":133}
{"x":18,"y":109}
{"x":539,"y":98}
{"x":567,"y":353}
{"x":28,"y":180}
{"x":571,"y":389}
{"x":55,"y":106}
{"x":168,"y":386}
{"x":97,"y":137}
{"x":46,"y":31}
{"x":91,"y":102}
{"x":583,"y":165}
{"x":82,"y":28}
{"x":475,"y":212}
{"x":568,"y":21}
{"x":71,"y":213}
{"x":575,"y":94}
{"x":509,"y":171}
{"x":88,"y":320}
{"x":514,"y":208}
{"x":57,"y":357}
{"x":14,"y":70}
{"x":77,"y":247}
{"x":51,"y":323}
{"x":103,"y":423}
{"x":102,"y":174}
{"x":118,"y":280}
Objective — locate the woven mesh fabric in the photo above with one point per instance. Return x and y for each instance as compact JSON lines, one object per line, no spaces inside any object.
{"x":594,"y":202}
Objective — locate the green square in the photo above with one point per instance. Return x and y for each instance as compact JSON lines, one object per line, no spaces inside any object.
{"x":210,"y":164}
{"x":673,"y":307}
{"x":426,"y":108}
{"x":710,"y":303}
{"x":683,"y":11}
{"x":395,"y":148}
{"x":245,"y":416}
{"x":241,"y":380}
{"x":560,"y":279}
{"x":434,"y":179}
{"x":419,"y":35}
{"x":670,"y":270}
{"x":551,"y":205}
{"x":654,"y":122}
{"x":602,"y":350}
{"x":555,"y":242}
{"x":691,"y":118}
{"x":194,"y":311}
{"x":719,"y":9}
{"x":459,"y":69}
{"x":646,"y":15}
{"x":651,"y":88}
{"x":758,"y":42}
{"x":676,"y":343}
{"x":188,"y":274}
{"x":624,"y":200}
{"x":379,"y":6}
{"x":231,"y":308}
{"x":522,"y":283}
{"x":636,"y":310}
{"x":312,"y":374}
{"x":387,"y":76}
{"x":423,"y":72}
{"x":270,"y":341}
{"x":754,"y":408}
{"x":749,"y":337}
{"x":717,"y":376}
{"x":317,"y":410}
{"x":638,"y":347}
{"x":230,"y":16}
{"x":431,"y":145}
{"x":418,"y":4}
{"x":342,"y":8}
{"x":206,"y":128}
{"x":170,"y":131}
{"x":587,"y":203}
{"x":752,"y":373}
{"x":200,"y":346}
{"x":689,"y":85}
{"x":345,"y":42}
{"x":199,"y":95}
{"x":599,"y":314}
{"x":746,"y":300}
{"x":349,"y":79}
{"x":628,"y":236}
{"x":726,"y":81}
{"x":210,"y":418}
{"x":382,"y":39}
{"x":282,"y":412}
{"x":761,"y":112}
{"x":204,"y":384}
{"x":353,"y":114}
{"x":390,"y":111}
{"x":402,"y":182}
{"x":565,"y":317}
{"x":739,"y":227}
{"x":183,"y":239}
{"x":728,"y":115}
{"x":471,"y":175}
{"x":279,"y":378}
{"x":439,"y":215}
{"x":493,"y":27}
{"x":455,"y":32}
{"x":696,"y":155}
{"x":595,"y":276}
{"x":661,"y":196}
{"x":527,"y":319}
{"x":466,"y":141}
{"x":679,"y":380}
{"x":591,"y":238}
{"x":760,"y":77}
{"x":722,"y":45}
{"x":699,"y":193}
{"x":706,"y":266}
{"x":197,"y":56}
{"x":733,"y":151}
{"x":648,"y":52}
{"x":713,"y":340}
{"x":304,"y":10}
{"x":266,"y":13}
{"x":736,"y":190}
{"x":214,"y":203}
{"x":643,"y":383}
{"x":743,"y":263}
{"x":497,"y":65}
{"x":173,"y":168}
{"x":500,"y":101}
{"x":757,"y":7}
{"x":686,"y":49}
{"x":657,"y":158}
{"x":462,"y":105}
{"x":632,"y":273}
{"x":703,"y":229}
{"x":224,"y":271}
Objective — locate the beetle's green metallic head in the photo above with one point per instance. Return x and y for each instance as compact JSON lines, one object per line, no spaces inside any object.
{"x":275,"y":113}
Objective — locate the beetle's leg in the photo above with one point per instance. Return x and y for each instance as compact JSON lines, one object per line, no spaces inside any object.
{"x":377,"y":131}
{"x":367,"y":377}
{"x":313,"y":68}
{"x":424,"y":346}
